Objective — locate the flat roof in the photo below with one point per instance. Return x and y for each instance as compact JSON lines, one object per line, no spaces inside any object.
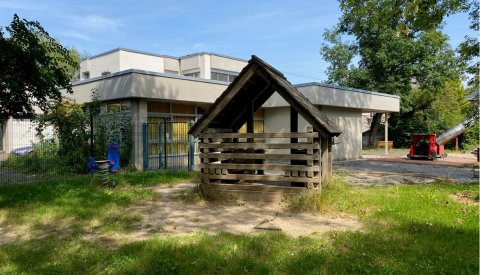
{"x":317,"y":93}
{"x":343,"y":88}
{"x":137,"y":71}
{"x":191,"y":78}
{"x":162,"y":55}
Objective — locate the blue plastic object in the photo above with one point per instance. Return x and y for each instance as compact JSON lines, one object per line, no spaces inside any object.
{"x":113,"y":155}
{"x":92,"y":166}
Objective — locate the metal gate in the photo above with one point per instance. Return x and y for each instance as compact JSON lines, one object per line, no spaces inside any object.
{"x":167,"y":145}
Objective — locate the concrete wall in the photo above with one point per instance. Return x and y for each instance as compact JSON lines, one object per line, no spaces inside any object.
{"x":348,"y":120}
{"x":347,"y":98}
{"x":205,"y":67}
{"x":139,"y":116}
{"x":169,"y":88}
{"x":349,"y":143}
{"x":226,"y":64}
{"x":131,"y":60}
{"x":190,"y":64}
{"x":106,"y":63}
{"x":171,"y":64}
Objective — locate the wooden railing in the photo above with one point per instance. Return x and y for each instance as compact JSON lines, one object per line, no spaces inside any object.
{"x":262,"y":158}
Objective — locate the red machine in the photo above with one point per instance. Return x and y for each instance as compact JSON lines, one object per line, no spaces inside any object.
{"x":425,"y":146}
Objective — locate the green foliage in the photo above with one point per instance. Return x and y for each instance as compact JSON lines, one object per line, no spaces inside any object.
{"x":34,"y":67}
{"x":71,"y":122}
{"x":469,"y":49}
{"x":397,"y":42}
{"x":43,"y":160}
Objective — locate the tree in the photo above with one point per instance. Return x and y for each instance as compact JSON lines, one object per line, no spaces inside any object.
{"x":469,"y":49}
{"x":34,"y":67}
{"x":395,"y":42}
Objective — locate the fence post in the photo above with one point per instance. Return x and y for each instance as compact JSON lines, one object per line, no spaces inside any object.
{"x":145,"y":146}
{"x":191,"y":149}
{"x":165,"y":143}
{"x":160,"y":145}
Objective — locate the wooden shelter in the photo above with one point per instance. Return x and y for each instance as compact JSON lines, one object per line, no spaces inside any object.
{"x":263,"y":165}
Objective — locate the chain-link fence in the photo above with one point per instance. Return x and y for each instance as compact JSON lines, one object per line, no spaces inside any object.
{"x":32,"y":151}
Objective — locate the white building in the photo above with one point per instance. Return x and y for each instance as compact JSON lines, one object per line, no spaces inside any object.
{"x":156,"y":87}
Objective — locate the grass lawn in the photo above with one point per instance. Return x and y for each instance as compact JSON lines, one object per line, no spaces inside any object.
{"x":407,"y":229}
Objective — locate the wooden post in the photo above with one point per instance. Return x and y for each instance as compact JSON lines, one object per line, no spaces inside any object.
{"x":309,"y":163}
{"x":386,"y":134}
{"x":324,"y":145}
{"x":330,"y":157}
{"x":318,"y":161}
{"x":293,"y":124}
{"x":250,"y":129}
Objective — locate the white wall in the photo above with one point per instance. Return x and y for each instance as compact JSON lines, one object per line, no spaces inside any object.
{"x":21,"y":133}
{"x":190,"y":64}
{"x":227,"y":64}
{"x":348,"y":120}
{"x":329,"y":96}
{"x":171,"y":64}
{"x":131,"y":60}
{"x":106,"y":63}
{"x":205,"y":67}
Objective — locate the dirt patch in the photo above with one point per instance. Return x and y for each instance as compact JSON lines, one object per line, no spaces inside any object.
{"x":177,"y":217}
{"x":170,"y":216}
{"x":465,"y":198}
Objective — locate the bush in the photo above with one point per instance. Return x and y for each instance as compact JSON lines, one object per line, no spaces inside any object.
{"x":43,"y":159}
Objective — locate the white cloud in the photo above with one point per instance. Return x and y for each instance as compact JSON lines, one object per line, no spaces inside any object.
{"x":17,"y":5}
{"x":77,"y":35}
{"x":95,"y":22}
{"x":198,"y":46}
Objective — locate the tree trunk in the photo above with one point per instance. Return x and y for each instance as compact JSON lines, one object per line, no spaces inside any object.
{"x":372,"y":137}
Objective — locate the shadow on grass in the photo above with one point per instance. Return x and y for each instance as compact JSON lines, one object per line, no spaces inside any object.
{"x":76,"y":200}
{"x":410,"y":249}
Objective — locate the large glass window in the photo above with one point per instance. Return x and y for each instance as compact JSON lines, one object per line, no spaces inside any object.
{"x":227,"y":77}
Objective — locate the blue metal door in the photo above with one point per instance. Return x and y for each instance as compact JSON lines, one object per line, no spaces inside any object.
{"x":167,"y":145}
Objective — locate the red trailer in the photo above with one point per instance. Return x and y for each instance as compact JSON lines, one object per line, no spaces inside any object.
{"x":425,"y":146}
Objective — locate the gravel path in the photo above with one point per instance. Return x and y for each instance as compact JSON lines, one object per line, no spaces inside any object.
{"x":366,"y":172}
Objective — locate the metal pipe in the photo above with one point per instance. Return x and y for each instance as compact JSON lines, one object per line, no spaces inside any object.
{"x":455,"y":131}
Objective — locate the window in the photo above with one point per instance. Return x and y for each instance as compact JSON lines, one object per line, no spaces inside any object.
{"x":105,"y":73}
{"x":171,"y":72}
{"x":196,"y":74}
{"x":116,"y":107}
{"x":226,"y":77}
{"x":85,"y":75}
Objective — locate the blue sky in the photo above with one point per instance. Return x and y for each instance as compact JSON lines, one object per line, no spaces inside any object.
{"x":286,"y":34}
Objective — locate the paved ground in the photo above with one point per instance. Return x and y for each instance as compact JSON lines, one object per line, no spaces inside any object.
{"x":395,"y":170}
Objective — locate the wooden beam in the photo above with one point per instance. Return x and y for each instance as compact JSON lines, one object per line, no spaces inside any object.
{"x":259,"y":135}
{"x":259,"y":145}
{"x":258,"y":178}
{"x":294,"y":104}
{"x":224,"y":156}
{"x":222,"y":102}
{"x":270,"y":166}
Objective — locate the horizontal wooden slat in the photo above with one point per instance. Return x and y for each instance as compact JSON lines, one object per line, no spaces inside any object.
{"x":258,"y":178}
{"x":248,"y":145}
{"x":223,"y":156}
{"x":256,"y":187}
{"x":272,"y":166}
{"x":258,"y":135}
